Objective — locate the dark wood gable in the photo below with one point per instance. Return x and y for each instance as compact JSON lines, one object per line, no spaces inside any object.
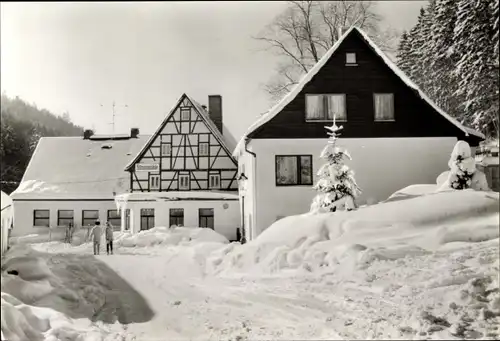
{"x":414,"y":117}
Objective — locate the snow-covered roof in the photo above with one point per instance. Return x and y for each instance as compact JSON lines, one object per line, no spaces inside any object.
{"x":6,"y":200}
{"x":172,"y":196}
{"x":276,"y":109}
{"x":203,"y":114}
{"x":71,"y":167}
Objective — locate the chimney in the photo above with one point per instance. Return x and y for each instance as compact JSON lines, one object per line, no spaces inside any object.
{"x":134,"y":133}
{"x":215,"y":110}
{"x":87,"y":134}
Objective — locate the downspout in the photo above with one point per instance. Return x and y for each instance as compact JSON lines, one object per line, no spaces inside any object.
{"x":254,"y":183}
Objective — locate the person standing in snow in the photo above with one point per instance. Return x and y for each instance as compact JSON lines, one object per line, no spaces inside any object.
{"x":96,"y":234}
{"x":109,"y":238}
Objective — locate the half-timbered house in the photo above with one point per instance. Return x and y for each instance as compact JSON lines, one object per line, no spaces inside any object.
{"x":183,"y":175}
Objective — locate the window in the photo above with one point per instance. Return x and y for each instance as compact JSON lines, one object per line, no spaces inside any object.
{"x":324,"y":107}
{"x":184,"y":182}
{"x":185,"y":114}
{"x":41,"y":218}
{"x":177,"y":216}
{"x":115,"y":219}
{"x":350,"y":58}
{"x":384,"y":107}
{"x":89,"y":217}
{"x":214,"y":180}
{"x":154,"y":182}
{"x":147,"y":218}
{"x":127,"y":219}
{"x":206,"y":217}
{"x":166,"y":149}
{"x":64,"y":217}
{"x":293,"y":170}
{"x":203,"y":149}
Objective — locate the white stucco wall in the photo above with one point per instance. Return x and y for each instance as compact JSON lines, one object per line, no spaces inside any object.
{"x":226,"y":220}
{"x":23,"y":213}
{"x":381,"y":166}
{"x":246,"y":164}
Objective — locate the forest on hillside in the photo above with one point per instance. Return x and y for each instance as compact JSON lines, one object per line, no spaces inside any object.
{"x":22,"y":125}
{"x":452,"y":54}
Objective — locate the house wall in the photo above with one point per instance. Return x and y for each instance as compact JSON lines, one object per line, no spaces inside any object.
{"x":184,"y":136}
{"x":413,"y":116}
{"x":6,"y":221}
{"x":226,"y":220}
{"x":381,"y":165}
{"x":24,"y":210}
{"x":247,"y":163}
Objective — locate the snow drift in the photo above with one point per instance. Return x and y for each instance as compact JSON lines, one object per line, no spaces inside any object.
{"x":169,"y":236}
{"x":351,"y":240}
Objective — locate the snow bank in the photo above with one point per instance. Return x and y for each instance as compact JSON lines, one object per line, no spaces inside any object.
{"x":169,"y":236}
{"x":352,"y":240}
{"x":412,"y":192}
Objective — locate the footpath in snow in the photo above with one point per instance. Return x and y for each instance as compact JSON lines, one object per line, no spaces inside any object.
{"x":420,"y":266}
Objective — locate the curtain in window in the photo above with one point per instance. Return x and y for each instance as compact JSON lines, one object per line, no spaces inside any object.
{"x":314,"y":105}
{"x":305,"y":170}
{"x":286,"y":172}
{"x":384,"y":107}
{"x":336,"y":106}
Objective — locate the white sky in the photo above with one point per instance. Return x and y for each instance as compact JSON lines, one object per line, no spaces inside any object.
{"x":76,"y":56}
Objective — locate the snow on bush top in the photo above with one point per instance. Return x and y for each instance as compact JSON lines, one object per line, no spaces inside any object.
{"x":385,"y":231}
{"x":169,"y":236}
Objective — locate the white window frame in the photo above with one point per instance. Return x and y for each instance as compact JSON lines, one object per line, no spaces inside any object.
{"x":393,"y":119}
{"x":206,"y":149}
{"x":154,"y":181}
{"x":325,"y":117}
{"x":214,"y":181}
{"x":164,"y":149}
{"x":184,"y":185}
{"x":349,"y":57}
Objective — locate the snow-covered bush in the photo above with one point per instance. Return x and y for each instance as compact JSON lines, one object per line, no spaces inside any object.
{"x":463,"y":173}
{"x":337,"y":187}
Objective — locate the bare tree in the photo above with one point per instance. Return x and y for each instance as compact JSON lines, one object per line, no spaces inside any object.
{"x":307,"y":29}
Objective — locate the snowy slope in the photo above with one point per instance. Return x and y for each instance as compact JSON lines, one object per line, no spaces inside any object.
{"x":424,"y":267}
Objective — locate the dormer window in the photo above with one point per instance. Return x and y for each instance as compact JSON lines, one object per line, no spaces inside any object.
{"x":350,"y":59}
{"x":323,"y":107}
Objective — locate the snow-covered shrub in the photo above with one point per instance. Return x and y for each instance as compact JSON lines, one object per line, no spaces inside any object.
{"x":463,"y":173}
{"x":337,"y":187}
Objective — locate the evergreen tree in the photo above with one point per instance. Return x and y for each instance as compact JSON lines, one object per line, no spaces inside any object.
{"x":337,"y":187}
{"x":477,"y":68}
{"x":444,"y":57}
{"x":403,"y":54}
{"x":416,"y":38}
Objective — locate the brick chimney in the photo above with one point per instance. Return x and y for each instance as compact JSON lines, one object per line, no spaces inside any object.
{"x":134,"y":133}
{"x":215,"y":110}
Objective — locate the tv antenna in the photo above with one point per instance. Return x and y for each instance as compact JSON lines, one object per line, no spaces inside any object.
{"x":113,"y":107}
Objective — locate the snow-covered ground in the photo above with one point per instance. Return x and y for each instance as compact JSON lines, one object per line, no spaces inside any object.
{"x":422,"y":265}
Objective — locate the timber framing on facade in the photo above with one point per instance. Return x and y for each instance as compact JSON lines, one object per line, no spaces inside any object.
{"x":186,"y":153}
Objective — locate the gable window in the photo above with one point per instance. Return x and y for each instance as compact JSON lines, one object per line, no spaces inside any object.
{"x":384,"y":107}
{"x":293,"y":170}
{"x":41,"y":218}
{"x":147,"y":218}
{"x":115,"y":219}
{"x":324,"y":107}
{"x":203,"y":149}
{"x":166,"y":149}
{"x":185,"y":114}
{"x":184,"y":181}
{"x":206,"y":217}
{"x":214,"y":181}
{"x":89,"y":217}
{"x":176,"y":217}
{"x":65,"y":217}
{"x":350,"y":59}
{"x":154,"y":182}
